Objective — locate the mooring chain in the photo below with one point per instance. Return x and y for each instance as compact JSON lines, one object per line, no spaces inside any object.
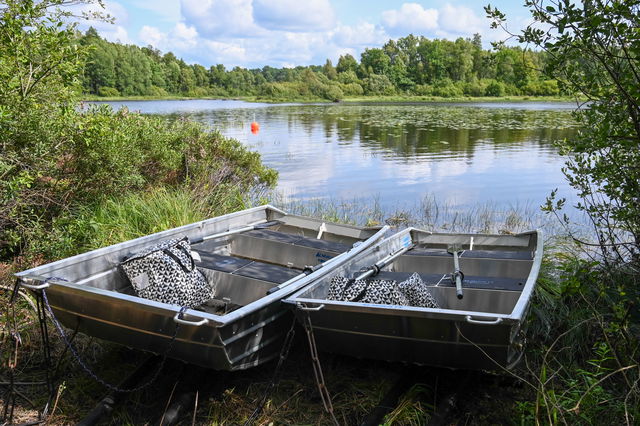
{"x":90,"y":372}
{"x":275,"y":379}
{"x":317,"y":369}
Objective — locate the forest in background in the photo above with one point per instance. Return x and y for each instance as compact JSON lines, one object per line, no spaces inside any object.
{"x":408,"y":66}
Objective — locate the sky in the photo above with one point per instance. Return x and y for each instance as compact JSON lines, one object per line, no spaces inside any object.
{"x":287,"y":33}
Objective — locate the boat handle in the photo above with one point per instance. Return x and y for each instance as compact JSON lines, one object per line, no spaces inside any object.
{"x":470,"y":320}
{"x":314,"y":309}
{"x":34,"y":286}
{"x":203,"y":321}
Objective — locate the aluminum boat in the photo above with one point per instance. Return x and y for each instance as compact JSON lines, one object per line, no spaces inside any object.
{"x":482,"y":284}
{"x":256,"y":257}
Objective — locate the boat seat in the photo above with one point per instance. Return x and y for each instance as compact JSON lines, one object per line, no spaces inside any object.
{"x":474,"y":254}
{"x":246,"y":268}
{"x":299,"y":240}
{"x":479,"y":282}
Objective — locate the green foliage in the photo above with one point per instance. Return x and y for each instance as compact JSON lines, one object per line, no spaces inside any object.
{"x":582,"y":362}
{"x":593,"y":50}
{"x":588,"y":370}
{"x":410,"y":65}
{"x":55,"y":159}
{"x":447,"y":89}
{"x":495,"y":88}
{"x":376,"y":84}
{"x":111,"y":91}
{"x":124,"y":217}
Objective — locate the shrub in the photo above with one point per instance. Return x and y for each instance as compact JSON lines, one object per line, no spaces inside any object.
{"x":423,"y":90}
{"x":378,"y":85}
{"x":447,"y":89}
{"x":156,"y":91}
{"x":108,"y":92}
{"x":495,"y":88}
{"x":101,"y":153}
{"x":475,"y":88}
{"x":352,"y":89}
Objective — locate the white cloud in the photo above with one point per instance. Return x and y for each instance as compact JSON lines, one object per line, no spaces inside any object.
{"x":184,"y":36}
{"x":460,"y":20}
{"x":254,"y":33}
{"x":152,"y":36}
{"x":180,"y":38}
{"x":294,"y":15}
{"x":215,"y":18}
{"x":225,"y":53}
{"x":115,"y":32}
{"x":363,"y":34}
{"x":411,"y":18}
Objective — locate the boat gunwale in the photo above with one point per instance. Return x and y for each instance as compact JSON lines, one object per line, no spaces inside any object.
{"x":92,"y":254}
{"x":514,"y":317}
{"x":169,"y":310}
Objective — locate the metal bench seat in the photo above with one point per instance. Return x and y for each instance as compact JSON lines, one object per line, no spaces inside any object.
{"x":443,"y":280}
{"x":474,"y":254}
{"x":247,"y":268}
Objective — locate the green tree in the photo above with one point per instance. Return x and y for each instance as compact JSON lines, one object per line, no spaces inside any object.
{"x":329,"y":70}
{"x":40,"y":65}
{"x":100,"y":68}
{"x":594,"y":50}
{"x":375,"y":61}
{"x":347,"y":63}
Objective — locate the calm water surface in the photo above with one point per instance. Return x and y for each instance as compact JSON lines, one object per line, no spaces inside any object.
{"x":463,"y":154}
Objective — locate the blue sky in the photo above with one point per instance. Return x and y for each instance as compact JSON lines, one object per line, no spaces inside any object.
{"x":253,"y":33}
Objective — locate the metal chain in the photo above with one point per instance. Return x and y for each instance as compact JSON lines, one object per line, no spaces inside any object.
{"x":90,"y":372}
{"x":317,"y":369}
{"x":275,"y":379}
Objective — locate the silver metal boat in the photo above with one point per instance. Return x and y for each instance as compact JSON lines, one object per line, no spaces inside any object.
{"x":245,"y":326}
{"x":480,"y":328}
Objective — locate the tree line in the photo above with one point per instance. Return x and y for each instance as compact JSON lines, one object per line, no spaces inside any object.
{"x":412,"y":65}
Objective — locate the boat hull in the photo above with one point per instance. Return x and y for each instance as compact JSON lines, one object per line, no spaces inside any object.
{"x":89,"y":291}
{"x":481,"y":331}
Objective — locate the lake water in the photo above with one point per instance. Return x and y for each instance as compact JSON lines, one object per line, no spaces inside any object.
{"x":461,"y":154}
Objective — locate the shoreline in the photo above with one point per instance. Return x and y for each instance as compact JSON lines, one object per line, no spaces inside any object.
{"x":347,"y":100}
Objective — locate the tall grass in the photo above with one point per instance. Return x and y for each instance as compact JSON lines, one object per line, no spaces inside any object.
{"x":429,"y":213}
{"x":121,"y":218}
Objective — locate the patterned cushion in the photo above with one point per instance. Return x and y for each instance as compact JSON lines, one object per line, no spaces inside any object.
{"x":417,"y":292}
{"x":167,"y":273}
{"x":366,"y":291}
{"x":411,"y":292}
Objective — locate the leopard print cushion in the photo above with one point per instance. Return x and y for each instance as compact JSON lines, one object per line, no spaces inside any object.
{"x":167,"y":273}
{"x":417,"y":292}
{"x":411,"y":292}
{"x":366,"y":291}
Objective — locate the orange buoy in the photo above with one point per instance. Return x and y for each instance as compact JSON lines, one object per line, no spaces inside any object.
{"x":255,"y":128}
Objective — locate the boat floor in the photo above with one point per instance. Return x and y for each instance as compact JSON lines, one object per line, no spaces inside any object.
{"x":254,"y":269}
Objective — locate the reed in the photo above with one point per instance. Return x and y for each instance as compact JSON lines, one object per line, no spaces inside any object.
{"x":428,"y":213}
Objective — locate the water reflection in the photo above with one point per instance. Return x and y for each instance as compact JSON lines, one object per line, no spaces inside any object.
{"x":462,"y":154}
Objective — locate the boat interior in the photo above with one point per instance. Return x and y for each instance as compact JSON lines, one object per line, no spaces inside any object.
{"x":241,"y":268}
{"x":493,"y":279}
{"x":246,"y":266}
